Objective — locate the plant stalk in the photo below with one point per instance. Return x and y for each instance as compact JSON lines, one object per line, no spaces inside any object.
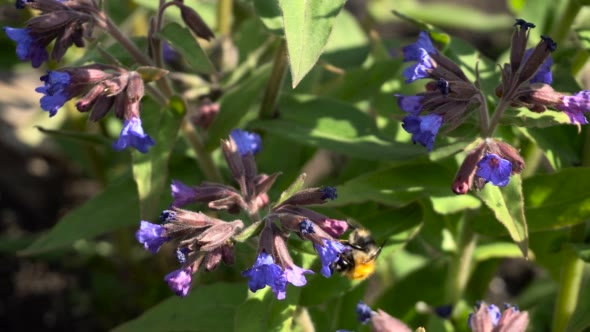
{"x":224,"y":16}
{"x":564,"y":23}
{"x":461,"y":265}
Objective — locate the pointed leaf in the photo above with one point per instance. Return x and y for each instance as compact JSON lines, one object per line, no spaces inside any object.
{"x":150,"y":74}
{"x":293,"y":188}
{"x":206,"y":308}
{"x":150,"y":170}
{"x":507,"y":205}
{"x":307,"y":25}
{"x":115,"y":207}
{"x":269,"y":13}
{"x":183,"y":41}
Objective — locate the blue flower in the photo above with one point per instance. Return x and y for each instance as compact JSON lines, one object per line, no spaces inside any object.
{"x":329,"y":193}
{"x":410,"y":104}
{"x":167,"y":216}
{"x":295,"y":276}
{"x":493,"y":312}
{"x":412,"y":52}
{"x":133,"y":135}
{"x":264,"y":273}
{"x":27,"y":48}
{"x":543,"y":74}
{"x":363,"y":312}
{"x":329,"y":254}
{"x":181,"y":254}
{"x":575,"y":106}
{"x":55,"y":85}
{"x":420,"y":69}
{"x":306,"y":227}
{"x":494,"y":169}
{"x":182,"y":193}
{"x":247,"y":142}
{"x":423,"y":128}
{"x":179,"y":281}
{"x":151,"y":235}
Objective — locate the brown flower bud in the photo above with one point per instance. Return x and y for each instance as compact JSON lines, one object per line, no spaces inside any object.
{"x":212,"y":259}
{"x":540,"y":53}
{"x":218,"y":234}
{"x":509,"y":153}
{"x":466,"y":172}
{"x":383,"y":322}
{"x":194,"y":22}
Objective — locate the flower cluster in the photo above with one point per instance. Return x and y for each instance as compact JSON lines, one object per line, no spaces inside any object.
{"x":447,"y":98}
{"x":101,"y":88}
{"x":488,"y":318}
{"x":203,"y":241}
{"x":66,"y":22}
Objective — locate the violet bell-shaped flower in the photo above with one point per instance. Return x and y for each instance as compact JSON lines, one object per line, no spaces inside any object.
{"x":329,"y":254}
{"x":27,"y":47}
{"x":247,"y":142}
{"x":264,"y":273}
{"x":132,"y":135}
{"x":423,"y":128}
{"x":54,"y":91}
{"x":152,"y":236}
{"x":180,"y":281}
{"x":494,"y":169}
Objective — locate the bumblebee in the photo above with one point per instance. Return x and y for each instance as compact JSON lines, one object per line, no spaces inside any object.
{"x":358,"y":262}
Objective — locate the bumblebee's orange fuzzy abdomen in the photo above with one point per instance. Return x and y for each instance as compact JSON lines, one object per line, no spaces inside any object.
{"x":362,"y":270}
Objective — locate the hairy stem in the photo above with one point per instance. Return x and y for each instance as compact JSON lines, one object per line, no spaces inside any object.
{"x":500,"y":108}
{"x":484,"y":115}
{"x":461,"y":265}
{"x":275,"y":83}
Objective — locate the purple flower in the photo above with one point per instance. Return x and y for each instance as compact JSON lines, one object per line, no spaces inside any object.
{"x":494,"y":169}
{"x":179,"y":281}
{"x":295,"y":276}
{"x":27,"y":48}
{"x":575,"y":106}
{"x":423,"y":128}
{"x":412,"y":52}
{"x":543,"y":74}
{"x":167,"y":216}
{"x":246,"y":141}
{"x":182,"y":193}
{"x":181,"y":254}
{"x":151,"y":235}
{"x":329,"y":254}
{"x":329,"y":193}
{"x":54,"y":90}
{"x":133,"y":135}
{"x":410,"y":104}
{"x":494,"y":313}
{"x":420,"y":69}
{"x":306,"y":227}
{"x":363,"y":312}
{"x":264,"y":273}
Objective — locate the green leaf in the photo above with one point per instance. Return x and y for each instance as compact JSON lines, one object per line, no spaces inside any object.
{"x":269,"y":13}
{"x":507,"y":205}
{"x":115,"y":207}
{"x":235,"y":104}
{"x":76,"y":136}
{"x":395,"y":186}
{"x":523,"y":117}
{"x":151,"y":74}
{"x":307,"y":27}
{"x":206,"y":308}
{"x":336,"y":126}
{"x":263,"y":312}
{"x":583,"y":251}
{"x":293,"y":188}
{"x":184,"y":43}
{"x":454,"y":203}
{"x":497,"y":250}
{"x":553,"y":201}
{"x":150,"y":170}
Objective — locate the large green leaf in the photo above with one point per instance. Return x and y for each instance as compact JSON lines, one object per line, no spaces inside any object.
{"x":263,"y":312}
{"x":183,"y":42}
{"x":307,"y":25}
{"x":207,"y":308}
{"x":336,"y":126}
{"x":117,"y":206}
{"x":507,"y":205}
{"x":552,"y":201}
{"x":150,"y":169}
{"x":235,"y":104}
{"x":396,"y":186}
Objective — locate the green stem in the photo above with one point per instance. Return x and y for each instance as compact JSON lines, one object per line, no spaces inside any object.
{"x":203,"y":157}
{"x":579,"y":61}
{"x":484,"y":115}
{"x":224,"y":16}
{"x":564,"y":23}
{"x":572,"y":269}
{"x":460,"y":266}
{"x":275,"y":83}
{"x":500,"y":108}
